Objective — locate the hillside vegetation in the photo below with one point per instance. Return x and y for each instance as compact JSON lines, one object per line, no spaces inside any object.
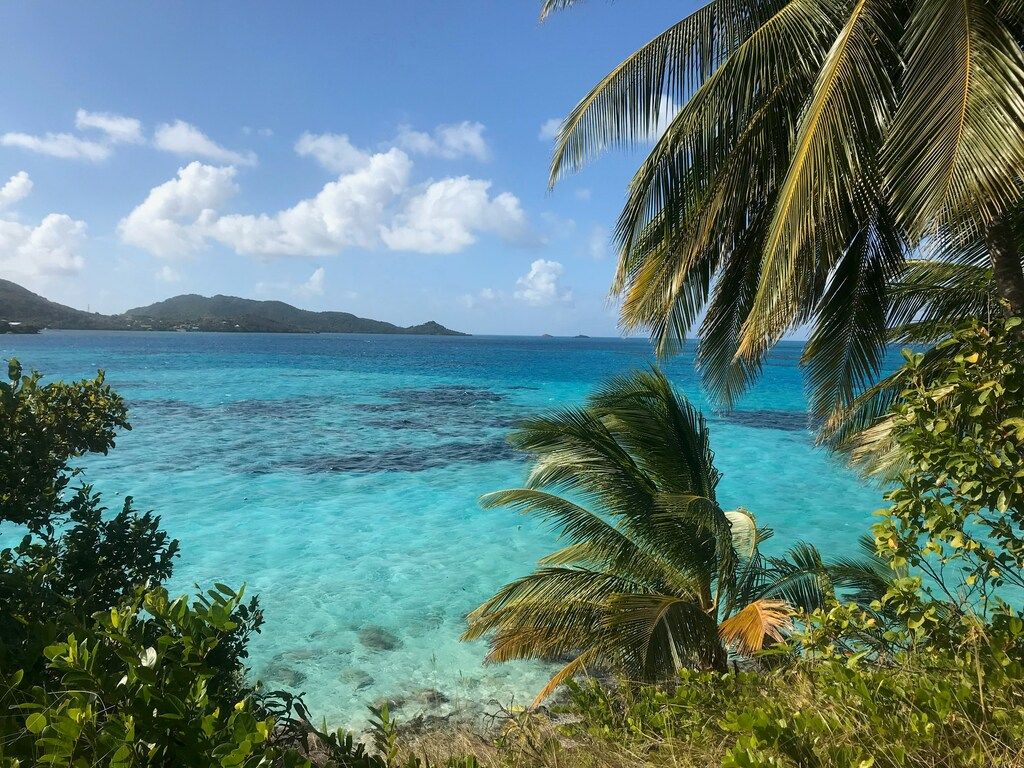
{"x":197,"y":313}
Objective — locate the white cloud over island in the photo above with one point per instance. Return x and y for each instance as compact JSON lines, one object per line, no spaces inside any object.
{"x":36,"y":252}
{"x":540,"y":286}
{"x":372,"y":203}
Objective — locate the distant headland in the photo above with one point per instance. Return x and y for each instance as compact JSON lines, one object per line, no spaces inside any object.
{"x":22,"y":311}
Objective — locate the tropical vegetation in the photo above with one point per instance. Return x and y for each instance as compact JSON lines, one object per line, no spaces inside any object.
{"x":655,"y":576}
{"x":821,"y":164}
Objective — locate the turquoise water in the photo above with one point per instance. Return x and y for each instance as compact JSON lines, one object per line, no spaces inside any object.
{"x":337,"y":476}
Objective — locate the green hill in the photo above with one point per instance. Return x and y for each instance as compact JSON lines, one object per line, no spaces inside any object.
{"x":20,"y":305}
{"x":197,"y":313}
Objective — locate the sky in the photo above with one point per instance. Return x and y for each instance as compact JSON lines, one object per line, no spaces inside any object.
{"x":387,"y":159}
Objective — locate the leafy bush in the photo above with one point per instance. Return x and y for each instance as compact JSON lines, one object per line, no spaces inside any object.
{"x":957,"y":512}
{"x":100,"y":666}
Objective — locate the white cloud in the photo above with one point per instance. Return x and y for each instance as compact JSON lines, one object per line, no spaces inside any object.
{"x":583,"y":194}
{"x":314,"y":286}
{"x":171,"y":221}
{"x":347,"y":212}
{"x":43,"y":251}
{"x":447,"y":141}
{"x":185,"y":139}
{"x":36,"y":253}
{"x":264,"y":133}
{"x":17,"y":188}
{"x":371,"y":206}
{"x":446,"y":216}
{"x":168,"y":275}
{"x":540,"y":287}
{"x":484,"y":296}
{"x":333,"y":151}
{"x":63,"y":145}
{"x":118,"y":128}
{"x":549,"y":129}
{"x":597,"y":242}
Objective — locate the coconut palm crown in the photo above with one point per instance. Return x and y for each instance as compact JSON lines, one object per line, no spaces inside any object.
{"x":803,"y":150}
{"x":655,"y":575}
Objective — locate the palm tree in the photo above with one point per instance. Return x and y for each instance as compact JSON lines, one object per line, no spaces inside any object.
{"x":655,"y":575}
{"x":814,"y":145}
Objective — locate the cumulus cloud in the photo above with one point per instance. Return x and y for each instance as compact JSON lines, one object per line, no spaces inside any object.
{"x":17,"y":188}
{"x":446,"y":216}
{"x":549,"y":129}
{"x":371,"y":206}
{"x":171,"y":221}
{"x":118,"y":128}
{"x":185,"y":139}
{"x":63,"y":145}
{"x":333,"y":151}
{"x":465,"y":139}
{"x":539,"y":287}
{"x":347,"y":212}
{"x":314,"y":286}
{"x":34,"y":253}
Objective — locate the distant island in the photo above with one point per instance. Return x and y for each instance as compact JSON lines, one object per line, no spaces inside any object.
{"x":22,"y":311}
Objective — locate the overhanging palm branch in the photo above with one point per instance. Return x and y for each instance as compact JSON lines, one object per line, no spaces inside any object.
{"x":817,"y":145}
{"x":654,"y":575}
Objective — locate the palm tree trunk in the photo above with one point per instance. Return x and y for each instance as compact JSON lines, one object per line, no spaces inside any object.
{"x":1004,"y":250}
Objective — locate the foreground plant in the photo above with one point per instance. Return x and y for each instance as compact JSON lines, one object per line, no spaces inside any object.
{"x":656,"y":576}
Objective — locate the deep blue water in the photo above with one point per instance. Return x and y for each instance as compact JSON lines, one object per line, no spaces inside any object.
{"x":337,"y":476}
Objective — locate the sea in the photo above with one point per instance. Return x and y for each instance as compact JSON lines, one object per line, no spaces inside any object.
{"x":338,"y":477}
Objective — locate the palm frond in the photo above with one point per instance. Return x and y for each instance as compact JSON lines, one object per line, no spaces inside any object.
{"x":628,"y":105}
{"x":800,"y":578}
{"x":957,"y":141}
{"x":847,"y":347}
{"x":654,"y":636}
{"x":748,"y":629}
{"x":819,"y":202}
{"x":865,"y":578}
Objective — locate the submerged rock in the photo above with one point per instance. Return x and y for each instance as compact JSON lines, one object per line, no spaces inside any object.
{"x":357,"y":678}
{"x":279,"y":672}
{"x":430,"y":697}
{"x":379,"y":639}
{"x":393,"y":702}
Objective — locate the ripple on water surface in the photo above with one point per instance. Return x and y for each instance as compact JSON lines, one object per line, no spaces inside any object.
{"x":338,"y":477}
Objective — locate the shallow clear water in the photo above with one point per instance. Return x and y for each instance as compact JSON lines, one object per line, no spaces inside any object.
{"x":337,"y":476}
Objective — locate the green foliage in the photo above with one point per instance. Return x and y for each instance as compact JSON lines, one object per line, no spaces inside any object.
{"x":655,"y":576}
{"x":134,"y":689}
{"x":957,"y":512}
{"x":922,"y":712}
{"x":52,"y":583}
{"x":101,"y":666}
{"x":41,"y":429}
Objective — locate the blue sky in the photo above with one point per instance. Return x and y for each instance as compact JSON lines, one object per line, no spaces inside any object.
{"x":380,"y":158}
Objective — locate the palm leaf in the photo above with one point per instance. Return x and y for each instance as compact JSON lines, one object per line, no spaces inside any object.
{"x":761,"y":620}
{"x":845,"y":352}
{"x":839,"y":134}
{"x":957,"y":142}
